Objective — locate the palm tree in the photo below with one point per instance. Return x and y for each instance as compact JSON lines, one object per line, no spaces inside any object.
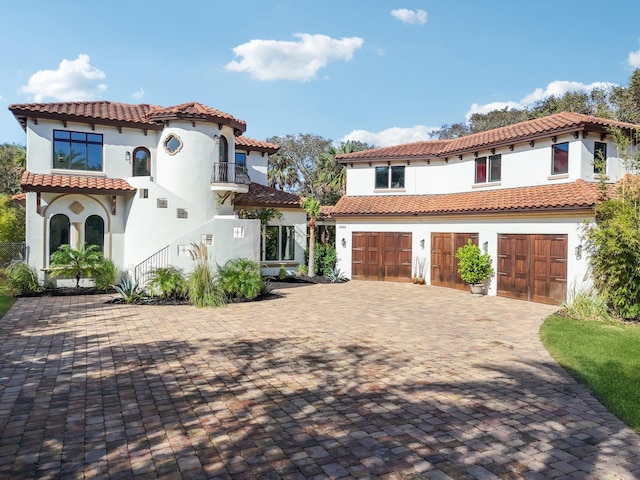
{"x":281,"y":172}
{"x":312,"y":207}
{"x":77,"y":264}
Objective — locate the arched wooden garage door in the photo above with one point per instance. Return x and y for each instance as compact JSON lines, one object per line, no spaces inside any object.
{"x":533,"y":267}
{"x":381,"y":256}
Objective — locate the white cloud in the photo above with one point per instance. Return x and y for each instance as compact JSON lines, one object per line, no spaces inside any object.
{"x":391,"y":136}
{"x":300,"y":60}
{"x":634,"y":59}
{"x":139,"y":94}
{"x":414,"y":17}
{"x":74,"y":80}
{"x":556,"y":88}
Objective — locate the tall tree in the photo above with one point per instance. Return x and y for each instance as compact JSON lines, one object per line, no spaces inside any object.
{"x":331,"y":176}
{"x":293,"y":167}
{"x":312,"y":207}
{"x":449,"y":132}
{"x":481,"y":122}
{"x":12,"y":164}
{"x":626,"y":100}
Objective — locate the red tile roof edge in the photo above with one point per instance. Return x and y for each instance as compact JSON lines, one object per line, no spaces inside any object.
{"x":40,"y":182}
{"x":264,"y":196}
{"x":567,"y":196}
{"x":563,"y":122}
{"x":251,"y":144}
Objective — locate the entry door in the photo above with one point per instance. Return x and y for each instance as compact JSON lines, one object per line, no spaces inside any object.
{"x":444,"y":265}
{"x":533,"y":267}
{"x":381,"y":256}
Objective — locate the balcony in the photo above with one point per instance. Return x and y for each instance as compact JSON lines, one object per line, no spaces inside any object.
{"x":230,"y":177}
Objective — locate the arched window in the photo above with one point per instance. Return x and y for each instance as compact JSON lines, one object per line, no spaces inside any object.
{"x":94,"y":231}
{"x":58,"y":232}
{"x":224,"y":149}
{"x":141,"y":162}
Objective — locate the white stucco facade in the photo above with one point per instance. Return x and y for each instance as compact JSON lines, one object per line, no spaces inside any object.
{"x":186,"y":195}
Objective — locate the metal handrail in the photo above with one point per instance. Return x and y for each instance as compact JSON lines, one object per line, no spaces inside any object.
{"x":225,"y":172}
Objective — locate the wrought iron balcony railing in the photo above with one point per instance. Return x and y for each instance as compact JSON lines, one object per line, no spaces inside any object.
{"x":225,"y":172}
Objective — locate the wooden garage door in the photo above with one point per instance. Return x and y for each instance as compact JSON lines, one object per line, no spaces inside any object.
{"x":444,"y":265}
{"x":533,"y":267}
{"x":381,"y":256}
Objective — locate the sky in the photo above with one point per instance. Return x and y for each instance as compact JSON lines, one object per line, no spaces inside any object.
{"x":384,"y":72}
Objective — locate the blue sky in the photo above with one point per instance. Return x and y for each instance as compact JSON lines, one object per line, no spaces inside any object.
{"x":380,"y":71}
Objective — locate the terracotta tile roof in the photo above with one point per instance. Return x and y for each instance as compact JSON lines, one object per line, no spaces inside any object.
{"x":98,"y":111}
{"x":556,"y":124}
{"x":577,"y":195}
{"x":39,"y":182}
{"x":326,"y":211}
{"x":19,"y":198}
{"x":140,"y":115}
{"x":250,"y":144}
{"x":196,"y":111}
{"x":264,"y":196}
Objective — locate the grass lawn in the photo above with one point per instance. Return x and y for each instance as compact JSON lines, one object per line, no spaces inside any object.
{"x":604,"y":356}
{"x":5,"y":304}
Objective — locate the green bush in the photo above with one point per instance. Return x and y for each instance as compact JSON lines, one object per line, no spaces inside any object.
{"x":76,"y":263}
{"x":23,"y":278}
{"x":586,"y":304}
{"x":474,"y":266}
{"x":240,"y":278}
{"x":129,"y":290}
{"x":325,"y":259}
{"x":168,"y":282}
{"x":105,"y":274}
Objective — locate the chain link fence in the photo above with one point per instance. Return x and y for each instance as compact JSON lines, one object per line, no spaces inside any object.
{"x":12,"y":251}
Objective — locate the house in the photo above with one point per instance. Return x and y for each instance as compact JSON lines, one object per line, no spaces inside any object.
{"x":521,"y":192}
{"x":144,"y":182}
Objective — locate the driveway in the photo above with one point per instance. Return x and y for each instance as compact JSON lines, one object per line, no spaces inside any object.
{"x":359,"y":380}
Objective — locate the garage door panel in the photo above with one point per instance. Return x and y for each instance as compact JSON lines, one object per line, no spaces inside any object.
{"x":381,"y":255}
{"x":444,"y":265}
{"x":533,"y":267}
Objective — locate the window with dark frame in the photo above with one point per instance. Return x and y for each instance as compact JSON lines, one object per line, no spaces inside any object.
{"x":599,"y":158}
{"x":560,"y":160}
{"x":77,"y":150}
{"x":279,"y":243}
{"x":59,"y":227}
{"x":488,"y":169}
{"x":241,"y":158}
{"x":94,"y":231}
{"x":141,"y":162}
{"x":389,"y":177}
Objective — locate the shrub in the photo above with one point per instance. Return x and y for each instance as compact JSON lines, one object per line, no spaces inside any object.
{"x":72,"y":263}
{"x":325,"y":259}
{"x":105,"y":274}
{"x":169,"y":282}
{"x":129,"y":290}
{"x":240,"y":278}
{"x":586,"y":304}
{"x":204,"y":290}
{"x":474,"y":266}
{"x":23,"y":278}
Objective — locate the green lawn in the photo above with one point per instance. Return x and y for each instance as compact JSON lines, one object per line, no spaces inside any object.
{"x":603,"y":356}
{"x":5,"y":304}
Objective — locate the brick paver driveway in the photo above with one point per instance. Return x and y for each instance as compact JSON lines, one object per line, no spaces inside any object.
{"x":361,"y":380}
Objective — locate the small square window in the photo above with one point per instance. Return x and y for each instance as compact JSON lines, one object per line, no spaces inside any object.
{"x":184,"y":250}
{"x":206,"y":239}
{"x":162,"y":203}
{"x":238,"y":232}
{"x":182,"y":213}
{"x":481,"y":170}
{"x":144,"y":193}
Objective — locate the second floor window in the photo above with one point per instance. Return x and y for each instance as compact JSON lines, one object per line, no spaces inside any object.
{"x":141,"y":162}
{"x":77,"y":150}
{"x":488,"y":169}
{"x":560,"y":161}
{"x":389,"y":177}
{"x":241,"y":158}
{"x":599,"y":158}
{"x":223,"y":149}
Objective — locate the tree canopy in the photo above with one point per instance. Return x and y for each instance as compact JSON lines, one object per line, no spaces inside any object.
{"x":12,"y":165}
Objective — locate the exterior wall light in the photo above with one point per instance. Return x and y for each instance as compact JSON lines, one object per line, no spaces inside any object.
{"x":579,"y":252}
{"x":485,"y":247}
{"x":344,"y":243}
{"x":422,"y":244}
{"x":127,"y":156}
